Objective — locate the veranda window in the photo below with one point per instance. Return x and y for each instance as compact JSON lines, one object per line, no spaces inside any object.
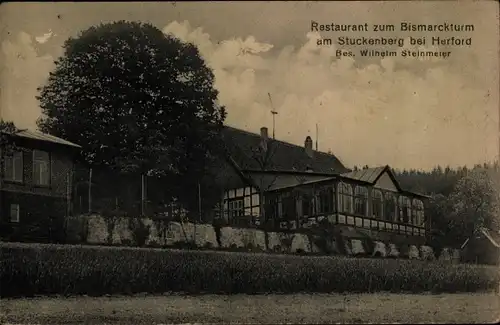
{"x":345,"y":197}
{"x":390,"y":207}
{"x":377,"y":204}
{"x":360,"y":200}
{"x":405,"y":209}
{"x":326,"y":200}
{"x":418,"y":212}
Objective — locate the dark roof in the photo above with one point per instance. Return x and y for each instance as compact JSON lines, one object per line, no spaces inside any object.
{"x":241,"y":146}
{"x":36,"y":135}
{"x":40,"y":136}
{"x":493,"y":237}
{"x":287,"y":183}
{"x":369,"y":175}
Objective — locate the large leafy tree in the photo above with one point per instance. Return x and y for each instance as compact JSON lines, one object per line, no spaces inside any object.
{"x":7,"y":145}
{"x":473,"y":204}
{"x":7,"y":129}
{"x":136,"y":100}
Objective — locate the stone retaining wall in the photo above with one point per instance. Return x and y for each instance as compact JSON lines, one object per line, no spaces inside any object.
{"x":117,"y":231}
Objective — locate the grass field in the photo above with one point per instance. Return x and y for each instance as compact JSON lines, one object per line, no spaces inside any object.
{"x":44,"y":270}
{"x":248,"y":309}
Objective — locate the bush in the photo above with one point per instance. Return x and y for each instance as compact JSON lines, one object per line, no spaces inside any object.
{"x":27,"y":270}
{"x":140,"y":231}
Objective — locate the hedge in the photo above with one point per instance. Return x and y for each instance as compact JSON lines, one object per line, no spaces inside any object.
{"x":28,"y":270}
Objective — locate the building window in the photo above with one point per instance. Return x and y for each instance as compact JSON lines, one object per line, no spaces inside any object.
{"x":14,"y":167}
{"x":377,"y":204}
{"x":235,"y":208}
{"x":41,"y":168}
{"x":345,"y":197}
{"x":326,"y":200}
{"x":404,"y":209}
{"x":307,"y":206}
{"x":390,"y":207}
{"x":418,"y":213}
{"x":14,"y":213}
{"x":360,"y":200}
{"x":289,"y":208}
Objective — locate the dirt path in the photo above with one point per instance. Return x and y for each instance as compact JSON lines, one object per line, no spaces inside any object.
{"x":268,"y":309}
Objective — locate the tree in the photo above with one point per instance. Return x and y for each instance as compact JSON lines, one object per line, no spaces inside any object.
{"x":7,"y":129}
{"x":439,"y":210}
{"x":263,"y":155}
{"x":7,"y":144}
{"x":475,"y":203}
{"x":136,"y":100}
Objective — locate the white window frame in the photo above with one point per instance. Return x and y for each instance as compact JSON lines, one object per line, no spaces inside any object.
{"x":346,"y":198}
{"x":13,"y":157}
{"x":236,"y":207}
{"x":378,"y":204}
{"x":360,"y":200}
{"x":16,"y":219}
{"x":38,"y":179}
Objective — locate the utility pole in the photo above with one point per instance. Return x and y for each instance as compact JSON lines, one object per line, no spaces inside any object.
{"x":316,"y":136}
{"x":272,"y":112}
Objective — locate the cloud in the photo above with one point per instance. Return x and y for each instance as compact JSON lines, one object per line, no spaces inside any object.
{"x":23,"y":72}
{"x":45,"y":37}
{"x":406,"y":112}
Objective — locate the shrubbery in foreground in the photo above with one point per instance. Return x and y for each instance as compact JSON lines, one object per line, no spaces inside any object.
{"x":52,"y":269}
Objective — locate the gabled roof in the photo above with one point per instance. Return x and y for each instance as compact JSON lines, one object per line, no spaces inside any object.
{"x":40,"y":136}
{"x":372,"y":175}
{"x":490,"y":236}
{"x":285,"y":156}
{"x":493,"y":238}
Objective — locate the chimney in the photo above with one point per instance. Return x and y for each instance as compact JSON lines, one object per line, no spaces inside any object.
{"x":308,"y":145}
{"x":263,"y":133}
{"x":264,"y":138}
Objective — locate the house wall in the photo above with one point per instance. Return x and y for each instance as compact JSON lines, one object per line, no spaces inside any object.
{"x":61,"y":167}
{"x":241,"y":202}
{"x":481,"y":250}
{"x":37,"y":204}
{"x":385,"y":182}
{"x":39,"y":216}
{"x":344,"y":212}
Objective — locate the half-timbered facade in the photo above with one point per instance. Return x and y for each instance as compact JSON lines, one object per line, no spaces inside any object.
{"x":299,"y":186}
{"x":369,"y":199}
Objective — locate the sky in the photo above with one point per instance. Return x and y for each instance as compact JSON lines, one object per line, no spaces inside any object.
{"x":409,"y":113}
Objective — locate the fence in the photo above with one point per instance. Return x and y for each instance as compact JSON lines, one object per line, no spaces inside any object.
{"x":110,"y":193}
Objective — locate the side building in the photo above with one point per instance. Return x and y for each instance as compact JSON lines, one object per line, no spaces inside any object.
{"x":35,"y":185}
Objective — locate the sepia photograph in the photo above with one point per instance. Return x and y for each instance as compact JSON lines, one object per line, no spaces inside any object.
{"x":263,"y":162}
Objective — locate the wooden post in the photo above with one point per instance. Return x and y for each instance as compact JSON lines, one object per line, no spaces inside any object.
{"x":199,"y":202}
{"x":68,"y":194}
{"x":143,"y":194}
{"x":90,"y":191}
